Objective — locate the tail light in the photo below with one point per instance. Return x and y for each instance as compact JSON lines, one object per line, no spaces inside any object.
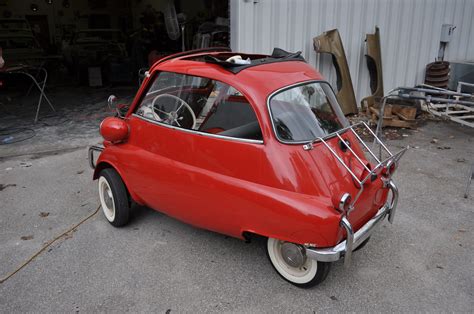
{"x":345,"y":203}
{"x":389,"y":169}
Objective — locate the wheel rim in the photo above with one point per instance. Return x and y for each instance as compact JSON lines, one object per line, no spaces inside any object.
{"x":300,"y":275}
{"x":106,"y":199}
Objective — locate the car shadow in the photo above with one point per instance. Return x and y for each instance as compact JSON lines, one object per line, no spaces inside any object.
{"x":139,"y":213}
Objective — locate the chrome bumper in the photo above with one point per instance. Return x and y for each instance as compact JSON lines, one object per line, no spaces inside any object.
{"x":93,"y":149}
{"x":353,"y":240}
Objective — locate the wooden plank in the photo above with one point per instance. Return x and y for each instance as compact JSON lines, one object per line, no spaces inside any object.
{"x":399,"y":123}
{"x":405,"y":113}
{"x":392,"y":120}
{"x":376,"y":112}
{"x":402,"y":117}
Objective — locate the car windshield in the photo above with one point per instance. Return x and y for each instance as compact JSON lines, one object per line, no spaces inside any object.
{"x":305,"y":112}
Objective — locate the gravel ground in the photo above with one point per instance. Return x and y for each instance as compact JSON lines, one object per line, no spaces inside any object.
{"x":423,"y":262}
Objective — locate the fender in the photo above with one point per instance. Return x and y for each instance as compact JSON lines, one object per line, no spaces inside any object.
{"x":102,"y":163}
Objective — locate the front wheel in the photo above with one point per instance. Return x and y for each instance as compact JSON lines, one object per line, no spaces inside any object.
{"x":113,"y":197}
{"x":292,"y":264}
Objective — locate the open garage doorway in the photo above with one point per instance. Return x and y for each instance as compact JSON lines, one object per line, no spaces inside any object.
{"x":119,"y":37}
{"x":63,"y":58}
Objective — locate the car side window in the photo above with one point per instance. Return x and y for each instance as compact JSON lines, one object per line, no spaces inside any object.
{"x":199,"y":104}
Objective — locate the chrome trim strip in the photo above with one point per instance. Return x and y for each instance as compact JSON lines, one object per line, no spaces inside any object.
{"x":236,"y":139}
{"x":354,"y":240}
{"x":91,"y":151}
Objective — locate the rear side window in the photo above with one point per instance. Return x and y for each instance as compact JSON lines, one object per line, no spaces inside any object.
{"x":199,"y":104}
{"x":305,"y":112}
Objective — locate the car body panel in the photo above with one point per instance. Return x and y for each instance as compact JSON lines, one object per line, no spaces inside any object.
{"x":374,"y":65}
{"x":222,"y":203}
{"x":234,"y":186}
{"x":330,"y":42}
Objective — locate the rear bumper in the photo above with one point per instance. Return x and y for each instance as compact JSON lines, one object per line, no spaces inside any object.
{"x":353,"y":240}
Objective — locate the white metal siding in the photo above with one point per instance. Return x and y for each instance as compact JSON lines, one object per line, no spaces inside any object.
{"x":409,"y":29}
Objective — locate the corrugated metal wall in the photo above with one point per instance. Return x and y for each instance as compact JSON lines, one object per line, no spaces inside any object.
{"x":410,"y":33}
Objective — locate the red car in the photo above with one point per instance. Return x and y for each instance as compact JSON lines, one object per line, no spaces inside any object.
{"x":249,"y":145}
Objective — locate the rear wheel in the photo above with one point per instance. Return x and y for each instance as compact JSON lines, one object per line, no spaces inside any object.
{"x":292,"y":264}
{"x":113,"y":198}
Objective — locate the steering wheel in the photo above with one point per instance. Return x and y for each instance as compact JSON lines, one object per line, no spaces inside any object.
{"x":173,"y":116}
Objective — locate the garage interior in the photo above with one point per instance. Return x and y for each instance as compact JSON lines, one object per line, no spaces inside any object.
{"x":88,"y":50}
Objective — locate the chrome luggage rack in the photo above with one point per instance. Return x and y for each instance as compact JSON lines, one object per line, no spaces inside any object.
{"x":385,"y":159}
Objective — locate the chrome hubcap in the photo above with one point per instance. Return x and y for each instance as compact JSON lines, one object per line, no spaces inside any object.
{"x":106,"y":199}
{"x":293,"y":254}
{"x":107,"y":196}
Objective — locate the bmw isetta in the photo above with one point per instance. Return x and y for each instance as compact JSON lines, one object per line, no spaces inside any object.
{"x":249,"y":145}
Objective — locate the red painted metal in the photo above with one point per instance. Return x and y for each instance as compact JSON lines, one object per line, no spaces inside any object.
{"x":271,"y":189}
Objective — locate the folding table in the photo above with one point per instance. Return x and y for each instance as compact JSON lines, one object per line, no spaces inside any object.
{"x":39,"y":80}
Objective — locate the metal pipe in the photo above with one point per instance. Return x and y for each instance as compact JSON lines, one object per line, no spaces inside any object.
{"x":394,"y":202}
{"x":365,"y":145}
{"x":437,"y":92}
{"x":437,"y":99}
{"x":92,"y":149}
{"x":430,"y":86}
{"x":308,"y":145}
{"x":349,"y":241}
{"x":340,"y":160}
{"x":353,"y":153}
{"x":460,"y":84}
{"x":344,"y":249}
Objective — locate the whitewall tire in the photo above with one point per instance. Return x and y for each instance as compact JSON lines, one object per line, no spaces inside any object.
{"x":114,"y":198}
{"x":291,"y":263}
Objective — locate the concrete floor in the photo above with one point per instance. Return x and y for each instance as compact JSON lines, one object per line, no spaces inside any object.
{"x":423,"y":262}
{"x":79,"y":111}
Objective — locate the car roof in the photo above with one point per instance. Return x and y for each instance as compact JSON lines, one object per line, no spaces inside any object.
{"x":259,"y":80}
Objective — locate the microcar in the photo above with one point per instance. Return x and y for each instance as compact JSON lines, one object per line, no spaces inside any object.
{"x":249,"y":145}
